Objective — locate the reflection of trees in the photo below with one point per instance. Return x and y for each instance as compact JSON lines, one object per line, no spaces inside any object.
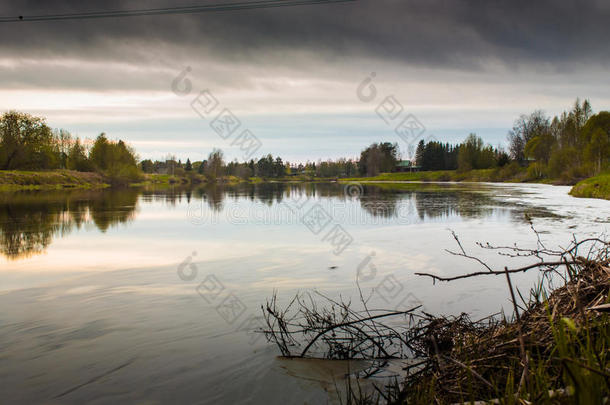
{"x":379,"y":202}
{"x":114,"y":206}
{"x":30,"y":220}
{"x":169,"y":195}
{"x":433,"y":201}
{"x":452,"y":203}
{"x":423,"y":200}
{"x":213,"y":194}
{"x":24,"y":231}
{"x":428,"y":200}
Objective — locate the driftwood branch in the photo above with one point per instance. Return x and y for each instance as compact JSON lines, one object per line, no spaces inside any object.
{"x":499,"y":272}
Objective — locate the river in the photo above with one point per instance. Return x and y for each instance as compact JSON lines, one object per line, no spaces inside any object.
{"x":152,"y":296}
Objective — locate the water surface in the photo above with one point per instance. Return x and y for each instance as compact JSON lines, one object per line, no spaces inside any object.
{"x":151,"y":296}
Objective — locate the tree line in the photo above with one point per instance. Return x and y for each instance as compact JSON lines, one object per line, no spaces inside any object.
{"x":216,"y":166}
{"x":573,"y":145}
{"x":377,"y":158}
{"x":469,"y":155}
{"x":28,"y":143}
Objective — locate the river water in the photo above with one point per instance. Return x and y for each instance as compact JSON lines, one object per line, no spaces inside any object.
{"x":152,"y":296}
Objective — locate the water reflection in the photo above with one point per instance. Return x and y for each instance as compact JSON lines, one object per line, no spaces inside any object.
{"x":29,"y":220}
{"x":110,"y":292}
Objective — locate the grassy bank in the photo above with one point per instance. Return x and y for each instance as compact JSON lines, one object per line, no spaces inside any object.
{"x":191,"y":179}
{"x":511,"y":173}
{"x":55,"y":179}
{"x":168,"y":179}
{"x":594,"y":187}
{"x":11,"y":180}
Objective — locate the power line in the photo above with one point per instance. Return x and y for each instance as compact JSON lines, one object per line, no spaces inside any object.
{"x":250,"y":5}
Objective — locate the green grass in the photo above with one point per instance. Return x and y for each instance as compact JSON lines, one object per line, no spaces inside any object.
{"x":594,"y":187}
{"x":507,"y":173}
{"x":158,"y":179}
{"x":54,"y":179}
{"x":289,"y":179}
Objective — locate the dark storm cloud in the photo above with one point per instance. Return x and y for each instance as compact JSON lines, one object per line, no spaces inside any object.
{"x":451,"y":33}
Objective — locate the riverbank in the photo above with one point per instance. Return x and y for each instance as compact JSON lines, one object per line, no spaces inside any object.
{"x":12,"y":180}
{"x":15,"y":180}
{"x":49,"y":180}
{"x":555,"y":352}
{"x":512,"y":174}
{"x":594,"y":187}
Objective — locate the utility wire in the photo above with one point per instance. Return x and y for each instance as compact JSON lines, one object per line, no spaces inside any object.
{"x":250,"y":5}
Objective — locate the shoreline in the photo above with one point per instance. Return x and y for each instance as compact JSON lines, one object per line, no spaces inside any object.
{"x":15,"y":180}
{"x":549,"y":352}
{"x":597,"y":187}
{"x":18,"y":180}
{"x":593,"y":187}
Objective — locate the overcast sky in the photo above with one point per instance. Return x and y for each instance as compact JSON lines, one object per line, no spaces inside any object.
{"x":291,"y":75}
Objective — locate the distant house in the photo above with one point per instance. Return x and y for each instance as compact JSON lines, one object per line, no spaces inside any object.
{"x":406,"y":166}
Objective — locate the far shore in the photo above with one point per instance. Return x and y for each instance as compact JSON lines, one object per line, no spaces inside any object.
{"x":15,"y":180}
